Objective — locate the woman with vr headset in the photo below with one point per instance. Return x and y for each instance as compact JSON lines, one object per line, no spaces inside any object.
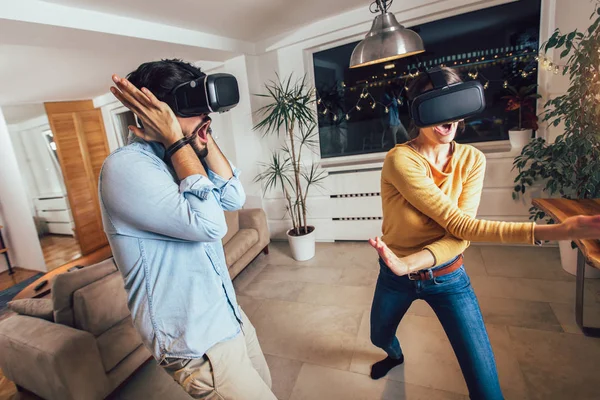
{"x":430,"y":189}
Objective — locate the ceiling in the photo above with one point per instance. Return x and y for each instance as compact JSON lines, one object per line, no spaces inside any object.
{"x":57,"y":50}
{"x":22,"y":113}
{"x":250,"y":20}
{"x":48,"y":63}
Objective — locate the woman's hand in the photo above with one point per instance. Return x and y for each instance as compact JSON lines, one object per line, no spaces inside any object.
{"x":582,"y":227}
{"x":396,"y":264}
{"x":577,"y":227}
{"x":160,"y":123}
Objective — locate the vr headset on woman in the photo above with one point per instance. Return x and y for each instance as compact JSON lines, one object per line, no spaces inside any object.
{"x":446,"y":102}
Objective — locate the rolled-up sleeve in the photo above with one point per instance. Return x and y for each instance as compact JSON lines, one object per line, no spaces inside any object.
{"x":231,"y":192}
{"x":140,"y":195}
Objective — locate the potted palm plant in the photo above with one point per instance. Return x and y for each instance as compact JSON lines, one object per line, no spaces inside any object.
{"x":523,"y":100}
{"x":290,"y":111}
{"x":570,"y":166}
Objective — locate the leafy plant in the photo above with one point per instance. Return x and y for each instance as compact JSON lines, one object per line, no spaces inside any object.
{"x":523,"y":99}
{"x":290,"y":110}
{"x":571,"y":165}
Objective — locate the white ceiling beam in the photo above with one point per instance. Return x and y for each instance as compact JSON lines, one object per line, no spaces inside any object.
{"x":40,"y":12}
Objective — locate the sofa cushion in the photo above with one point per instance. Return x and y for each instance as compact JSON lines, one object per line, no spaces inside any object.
{"x":99,"y":306}
{"x":239,"y":245}
{"x":66,"y":284}
{"x":39,"y":308}
{"x":117,"y":343}
{"x":233,"y":225}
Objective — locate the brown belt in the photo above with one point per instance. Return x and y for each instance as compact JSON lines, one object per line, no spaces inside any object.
{"x":426,"y":274}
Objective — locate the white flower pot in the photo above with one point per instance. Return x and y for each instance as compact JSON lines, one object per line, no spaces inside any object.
{"x":568,"y":258}
{"x":302,"y":247}
{"x":519,"y":138}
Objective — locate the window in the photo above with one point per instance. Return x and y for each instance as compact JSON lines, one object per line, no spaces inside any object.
{"x":365,"y":110}
{"x":123,"y":120}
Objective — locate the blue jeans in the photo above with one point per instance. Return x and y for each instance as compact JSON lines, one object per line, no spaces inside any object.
{"x":452,"y":299}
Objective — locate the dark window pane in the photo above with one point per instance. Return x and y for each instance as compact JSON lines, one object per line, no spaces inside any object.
{"x":365,"y":110}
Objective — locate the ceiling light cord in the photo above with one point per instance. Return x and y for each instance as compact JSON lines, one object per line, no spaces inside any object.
{"x":380,"y":6}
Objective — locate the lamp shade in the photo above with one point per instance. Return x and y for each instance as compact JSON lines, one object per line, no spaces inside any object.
{"x":387,"y":40}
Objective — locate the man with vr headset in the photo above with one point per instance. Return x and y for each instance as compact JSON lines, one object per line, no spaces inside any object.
{"x":162,"y":199}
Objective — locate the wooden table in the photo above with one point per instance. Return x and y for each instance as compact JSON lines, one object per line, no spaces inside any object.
{"x":90,"y":259}
{"x":588,"y":250}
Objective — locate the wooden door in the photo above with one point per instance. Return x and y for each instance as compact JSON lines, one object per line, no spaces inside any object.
{"x":82,"y":147}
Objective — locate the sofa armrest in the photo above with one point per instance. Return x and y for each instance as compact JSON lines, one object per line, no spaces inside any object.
{"x":255,"y":218}
{"x":52,"y":360}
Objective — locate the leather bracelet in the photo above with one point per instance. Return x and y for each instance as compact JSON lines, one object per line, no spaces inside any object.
{"x":177,"y":146}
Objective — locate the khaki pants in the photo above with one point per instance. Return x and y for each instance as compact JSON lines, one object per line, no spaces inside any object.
{"x":232,"y":370}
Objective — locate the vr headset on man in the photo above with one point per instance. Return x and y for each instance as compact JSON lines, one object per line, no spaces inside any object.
{"x":205,"y":94}
{"x":446,"y":103}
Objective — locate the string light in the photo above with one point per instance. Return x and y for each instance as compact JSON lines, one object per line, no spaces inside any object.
{"x":379,"y":81}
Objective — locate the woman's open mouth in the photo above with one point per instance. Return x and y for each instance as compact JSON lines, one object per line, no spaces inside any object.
{"x":444,"y":130}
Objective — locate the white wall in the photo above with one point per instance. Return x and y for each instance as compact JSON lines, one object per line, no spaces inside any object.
{"x":19,"y":228}
{"x":40,"y":171}
{"x":568,"y":15}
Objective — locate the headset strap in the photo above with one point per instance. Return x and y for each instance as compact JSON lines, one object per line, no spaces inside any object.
{"x":437,"y":78}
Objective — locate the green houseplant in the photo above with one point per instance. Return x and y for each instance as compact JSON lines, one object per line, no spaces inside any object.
{"x":290,"y":111}
{"x":522,"y":100}
{"x":569,"y":167}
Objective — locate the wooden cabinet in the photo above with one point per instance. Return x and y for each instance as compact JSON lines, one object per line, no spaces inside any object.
{"x":82,"y":147}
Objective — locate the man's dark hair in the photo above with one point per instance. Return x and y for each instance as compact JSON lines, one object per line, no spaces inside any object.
{"x":160,"y":77}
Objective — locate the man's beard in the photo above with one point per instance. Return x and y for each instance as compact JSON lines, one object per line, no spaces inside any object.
{"x":201,"y":153}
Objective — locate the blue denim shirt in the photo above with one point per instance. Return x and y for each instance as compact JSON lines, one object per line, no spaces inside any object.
{"x":166,"y":240}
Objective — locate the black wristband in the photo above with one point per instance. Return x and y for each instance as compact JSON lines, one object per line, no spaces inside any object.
{"x":177,"y":146}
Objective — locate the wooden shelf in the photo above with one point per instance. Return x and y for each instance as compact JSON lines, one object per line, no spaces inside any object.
{"x":2,"y":251}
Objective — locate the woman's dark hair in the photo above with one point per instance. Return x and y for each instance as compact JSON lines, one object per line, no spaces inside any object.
{"x":160,"y":77}
{"x":421,"y":84}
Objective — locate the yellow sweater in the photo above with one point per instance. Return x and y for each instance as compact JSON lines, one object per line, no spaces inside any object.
{"x":424,"y":208}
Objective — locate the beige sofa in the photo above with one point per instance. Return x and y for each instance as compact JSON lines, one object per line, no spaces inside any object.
{"x":87,"y":346}
{"x":87,"y":351}
{"x":247,"y":236}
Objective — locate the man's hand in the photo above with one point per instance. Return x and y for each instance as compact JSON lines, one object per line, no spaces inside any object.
{"x":160,"y":123}
{"x":396,"y":264}
{"x":215,"y":159}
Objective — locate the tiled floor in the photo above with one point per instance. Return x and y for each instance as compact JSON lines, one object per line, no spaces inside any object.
{"x":312,"y":320}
